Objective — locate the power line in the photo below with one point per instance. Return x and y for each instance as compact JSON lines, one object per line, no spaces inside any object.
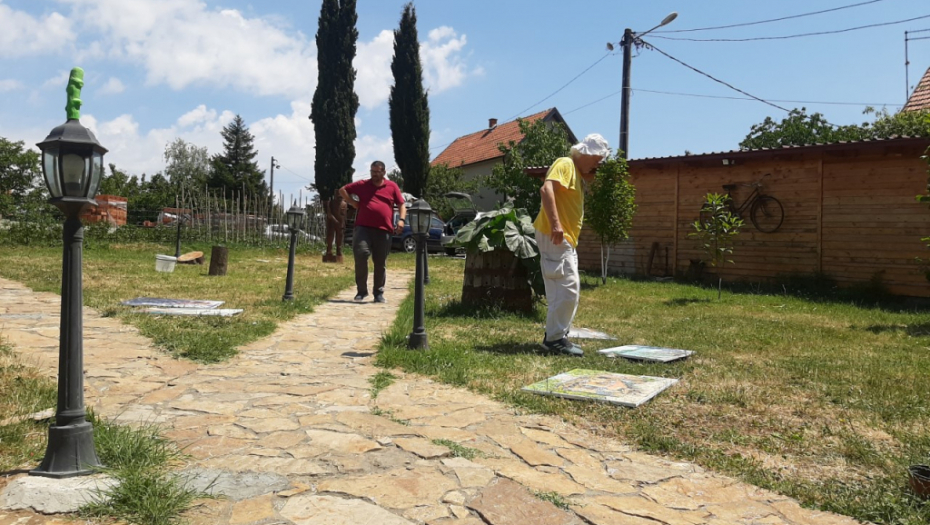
{"x":771,"y":99}
{"x":285,"y":168}
{"x":615,"y":93}
{"x":696,"y":70}
{"x":784,"y":37}
{"x":770,"y":20}
{"x":523,"y":112}
{"x":598,"y":61}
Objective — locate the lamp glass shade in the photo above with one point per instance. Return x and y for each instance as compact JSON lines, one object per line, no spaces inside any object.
{"x":413,"y":218}
{"x":423,"y":221}
{"x":96,"y":175}
{"x":73,"y":171}
{"x":294,"y":218}
{"x":418,"y":215}
{"x":50,"y":170}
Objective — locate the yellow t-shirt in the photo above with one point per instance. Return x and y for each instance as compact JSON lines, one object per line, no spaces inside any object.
{"x":569,"y":200}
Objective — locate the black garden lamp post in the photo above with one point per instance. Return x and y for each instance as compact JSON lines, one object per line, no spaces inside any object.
{"x":72,"y":162}
{"x":295,"y":217}
{"x":179,"y":218}
{"x":419,"y":214}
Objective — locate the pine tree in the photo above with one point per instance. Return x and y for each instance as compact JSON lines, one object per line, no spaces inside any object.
{"x":235,"y":169}
{"x":409,"y":108}
{"x":334,"y":101}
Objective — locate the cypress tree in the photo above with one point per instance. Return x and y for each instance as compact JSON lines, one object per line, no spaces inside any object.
{"x":334,"y":101}
{"x":409,"y":108}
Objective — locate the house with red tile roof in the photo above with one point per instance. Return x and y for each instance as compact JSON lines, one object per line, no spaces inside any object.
{"x":920,"y":98}
{"x":478,"y":152}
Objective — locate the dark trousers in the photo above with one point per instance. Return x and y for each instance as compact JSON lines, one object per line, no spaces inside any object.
{"x":370,"y":242}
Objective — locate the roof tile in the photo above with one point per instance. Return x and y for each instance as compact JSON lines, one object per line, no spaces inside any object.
{"x":920,"y":98}
{"x":482,"y":145}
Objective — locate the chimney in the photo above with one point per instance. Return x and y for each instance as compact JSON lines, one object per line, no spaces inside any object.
{"x":492,"y":122}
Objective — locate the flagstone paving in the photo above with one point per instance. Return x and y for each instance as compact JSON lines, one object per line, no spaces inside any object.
{"x":289,"y":432}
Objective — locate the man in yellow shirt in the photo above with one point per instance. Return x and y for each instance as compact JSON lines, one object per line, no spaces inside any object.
{"x":558,"y":227}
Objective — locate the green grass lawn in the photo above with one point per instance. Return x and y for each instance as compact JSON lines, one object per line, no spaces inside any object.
{"x":822,"y":399}
{"x":254,"y":283}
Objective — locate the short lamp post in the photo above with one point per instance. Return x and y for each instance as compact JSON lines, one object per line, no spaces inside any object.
{"x":295,"y":218}
{"x":179,"y":218}
{"x":72,"y":163}
{"x":419,"y":214}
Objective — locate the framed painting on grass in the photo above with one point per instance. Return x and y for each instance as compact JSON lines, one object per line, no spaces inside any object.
{"x":597,"y":385}
{"x":654,"y":354}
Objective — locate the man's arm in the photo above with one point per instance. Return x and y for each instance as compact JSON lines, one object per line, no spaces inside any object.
{"x":547,"y":194}
{"x":402,"y":212}
{"x":345,"y":196}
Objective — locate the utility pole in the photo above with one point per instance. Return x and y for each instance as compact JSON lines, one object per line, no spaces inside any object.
{"x":629,"y":40}
{"x":271,"y":178}
{"x":627,"y":44}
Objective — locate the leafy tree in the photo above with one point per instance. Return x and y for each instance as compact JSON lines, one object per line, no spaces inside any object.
{"x":396,"y":177}
{"x":409,"y":107}
{"x":542,"y":143}
{"x":334,"y":102}
{"x":187,"y":164}
{"x":235,"y":168}
{"x":154,"y":194}
{"x":609,"y":206}
{"x":799,"y":128}
{"x":442,"y":180}
{"x":19,"y":174}
{"x":120,"y":183}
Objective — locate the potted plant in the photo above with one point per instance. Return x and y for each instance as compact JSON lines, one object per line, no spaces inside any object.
{"x":501,"y":260}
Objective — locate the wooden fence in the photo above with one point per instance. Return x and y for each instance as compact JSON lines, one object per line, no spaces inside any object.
{"x":850,"y":214}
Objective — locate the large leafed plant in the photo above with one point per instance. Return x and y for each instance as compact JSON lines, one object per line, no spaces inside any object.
{"x":505,"y":229}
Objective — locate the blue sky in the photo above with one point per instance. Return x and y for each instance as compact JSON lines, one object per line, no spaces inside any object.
{"x":160,"y":69}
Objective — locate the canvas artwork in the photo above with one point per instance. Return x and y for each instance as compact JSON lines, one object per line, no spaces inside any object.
{"x":587,"y":333}
{"x":654,"y":354}
{"x":221,"y":312}
{"x":596,"y":385}
{"x":160,"y":302}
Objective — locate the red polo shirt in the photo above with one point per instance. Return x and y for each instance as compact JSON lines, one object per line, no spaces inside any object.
{"x":376,"y":203}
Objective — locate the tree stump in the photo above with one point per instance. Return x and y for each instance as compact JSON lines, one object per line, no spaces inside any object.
{"x":497,"y":278}
{"x":219,"y":258}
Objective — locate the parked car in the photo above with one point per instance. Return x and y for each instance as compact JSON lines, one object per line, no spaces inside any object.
{"x":407,"y":242}
{"x":465,"y":212}
{"x":281,"y":231}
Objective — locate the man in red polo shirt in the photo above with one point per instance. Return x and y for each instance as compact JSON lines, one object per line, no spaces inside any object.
{"x":374,"y":225}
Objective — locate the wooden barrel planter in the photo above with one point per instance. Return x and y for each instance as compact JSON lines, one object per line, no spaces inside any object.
{"x":496,"y":278}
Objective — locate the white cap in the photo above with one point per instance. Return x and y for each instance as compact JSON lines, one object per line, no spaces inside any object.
{"x":593,"y":144}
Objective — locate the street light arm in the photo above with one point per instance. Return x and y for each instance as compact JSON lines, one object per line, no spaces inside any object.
{"x":665,"y":21}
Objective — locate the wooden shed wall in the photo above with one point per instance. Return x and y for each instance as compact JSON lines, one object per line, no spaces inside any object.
{"x":849,"y":213}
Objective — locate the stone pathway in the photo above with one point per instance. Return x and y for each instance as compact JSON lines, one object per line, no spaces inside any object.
{"x":290,"y":434}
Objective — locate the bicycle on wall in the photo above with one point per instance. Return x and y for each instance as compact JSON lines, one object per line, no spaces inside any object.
{"x":765,"y":212}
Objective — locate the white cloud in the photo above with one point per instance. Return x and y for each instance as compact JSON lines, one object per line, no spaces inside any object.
{"x":440,"y":55}
{"x":58,"y":81}
{"x":182,"y":43}
{"x":113,"y":86}
{"x":10,"y":85}
{"x":373,"y":63}
{"x":21,"y":34}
